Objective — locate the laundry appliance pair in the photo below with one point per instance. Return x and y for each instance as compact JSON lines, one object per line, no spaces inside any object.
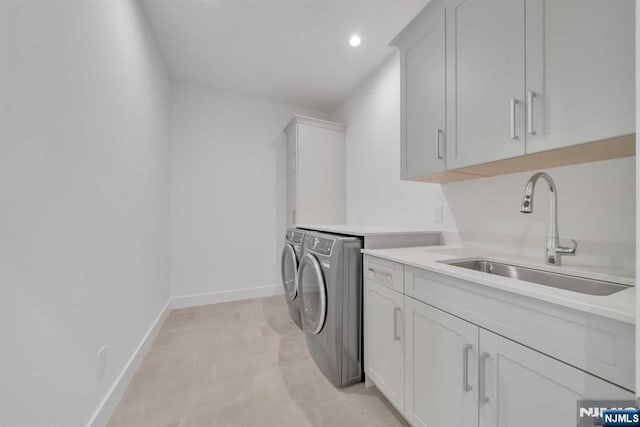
{"x":322,"y":279}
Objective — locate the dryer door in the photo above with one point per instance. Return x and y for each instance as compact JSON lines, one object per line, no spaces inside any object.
{"x":313,"y":294}
{"x":289,"y":271}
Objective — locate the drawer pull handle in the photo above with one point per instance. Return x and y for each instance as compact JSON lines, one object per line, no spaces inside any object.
{"x":512,"y":103}
{"x":482,"y":380}
{"x":396,"y":335}
{"x":382,"y":273}
{"x":530,"y":96}
{"x":465,"y":367}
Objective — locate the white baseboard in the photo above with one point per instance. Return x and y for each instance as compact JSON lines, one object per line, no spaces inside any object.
{"x":225,"y":296}
{"x":114,"y":395}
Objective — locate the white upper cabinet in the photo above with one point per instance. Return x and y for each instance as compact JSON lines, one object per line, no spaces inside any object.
{"x":486,"y":40}
{"x":580,"y":71}
{"x":423,"y":94}
{"x":486,"y":82}
{"x":316,"y":172}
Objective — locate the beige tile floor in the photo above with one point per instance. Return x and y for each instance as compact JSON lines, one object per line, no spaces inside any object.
{"x":245,"y":364}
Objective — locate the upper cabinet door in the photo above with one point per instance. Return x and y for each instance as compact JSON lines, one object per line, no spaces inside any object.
{"x":424,"y":94}
{"x":485,"y":54}
{"x":580,"y":71}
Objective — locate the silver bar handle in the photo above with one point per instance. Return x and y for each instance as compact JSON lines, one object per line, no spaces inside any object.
{"x":294,"y":217}
{"x":482,"y":393}
{"x":382,"y":273}
{"x":513,"y":104}
{"x":438,"y":132}
{"x":396,"y":336}
{"x":465,"y":367}
{"x":530,"y":96}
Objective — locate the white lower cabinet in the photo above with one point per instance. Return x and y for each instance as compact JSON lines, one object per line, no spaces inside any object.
{"x":457,"y":374}
{"x":524,"y":388}
{"x":440,"y":368}
{"x":384,"y":340}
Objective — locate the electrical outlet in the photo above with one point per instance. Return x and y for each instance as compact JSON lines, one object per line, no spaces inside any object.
{"x":437,"y":214}
{"x":102,"y":361}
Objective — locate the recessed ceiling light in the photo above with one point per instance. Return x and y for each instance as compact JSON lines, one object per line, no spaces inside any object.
{"x":354,"y":40}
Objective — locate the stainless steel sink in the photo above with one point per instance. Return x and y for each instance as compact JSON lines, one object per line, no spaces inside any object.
{"x":582,"y":285}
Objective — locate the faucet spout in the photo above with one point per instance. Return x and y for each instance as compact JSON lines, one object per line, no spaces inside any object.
{"x":554,"y":250}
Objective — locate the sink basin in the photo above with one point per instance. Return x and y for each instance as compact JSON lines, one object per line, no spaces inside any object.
{"x":582,"y":285}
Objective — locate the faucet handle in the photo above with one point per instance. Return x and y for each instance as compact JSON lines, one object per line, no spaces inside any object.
{"x":568,"y":250}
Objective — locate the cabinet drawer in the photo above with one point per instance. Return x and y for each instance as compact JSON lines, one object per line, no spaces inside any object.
{"x":386,"y":273}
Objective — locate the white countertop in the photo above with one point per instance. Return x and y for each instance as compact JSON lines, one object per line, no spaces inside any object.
{"x":619,"y":306}
{"x":364,"y":230}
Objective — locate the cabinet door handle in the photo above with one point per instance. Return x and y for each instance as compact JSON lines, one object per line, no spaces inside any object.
{"x":513,"y":103}
{"x":396,"y":311}
{"x":465,"y":367}
{"x":294,"y":218}
{"x":440,"y":155}
{"x":482,"y":380}
{"x":530,"y":96}
{"x":382,"y":273}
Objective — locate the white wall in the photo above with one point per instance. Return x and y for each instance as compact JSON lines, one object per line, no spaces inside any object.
{"x":84,"y":178}
{"x":637,"y":198}
{"x":228,"y":190}
{"x":596,"y":207}
{"x":375,"y":194}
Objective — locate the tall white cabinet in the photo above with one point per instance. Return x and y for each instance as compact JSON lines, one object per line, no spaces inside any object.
{"x":316,"y":171}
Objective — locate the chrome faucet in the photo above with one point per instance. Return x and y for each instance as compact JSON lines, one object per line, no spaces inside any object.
{"x":554,"y":250}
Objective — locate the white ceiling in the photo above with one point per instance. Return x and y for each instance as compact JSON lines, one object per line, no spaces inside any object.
{"x":290,"y":51}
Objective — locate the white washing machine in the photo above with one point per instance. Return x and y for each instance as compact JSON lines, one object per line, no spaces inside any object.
{"x":289,"y":261}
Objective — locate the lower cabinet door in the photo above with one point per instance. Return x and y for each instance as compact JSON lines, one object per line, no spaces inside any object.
{"x":521,"y":387}
{"x":441,"y":356}
{"x":384,"y":341}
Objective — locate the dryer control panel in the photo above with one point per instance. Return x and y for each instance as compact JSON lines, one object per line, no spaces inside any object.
{"x":319,"y":245}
